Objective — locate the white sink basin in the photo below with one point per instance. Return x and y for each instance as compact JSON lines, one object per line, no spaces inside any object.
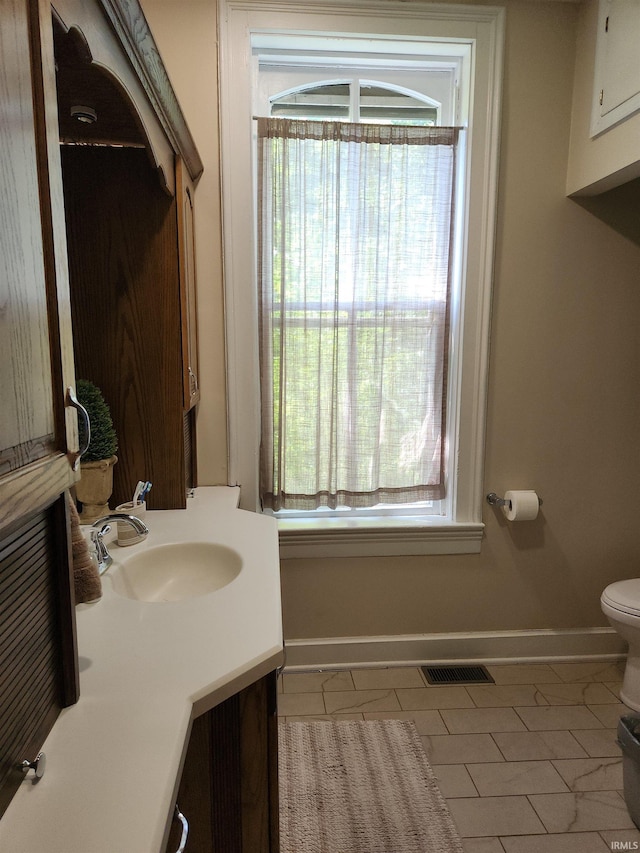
{"x":176,"y":571}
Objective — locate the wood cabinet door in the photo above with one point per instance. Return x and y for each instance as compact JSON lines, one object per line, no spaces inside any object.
{"x":228,"y":791}
{"x":37,"y":430}
{"x":186,"y":242}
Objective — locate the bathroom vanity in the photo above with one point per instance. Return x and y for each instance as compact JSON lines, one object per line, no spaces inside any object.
{"x":177,"y":704}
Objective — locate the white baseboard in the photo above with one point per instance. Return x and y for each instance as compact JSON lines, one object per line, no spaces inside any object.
{"x":490,"y":647}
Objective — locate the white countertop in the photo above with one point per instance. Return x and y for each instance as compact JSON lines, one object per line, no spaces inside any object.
{"x":146,"y":669}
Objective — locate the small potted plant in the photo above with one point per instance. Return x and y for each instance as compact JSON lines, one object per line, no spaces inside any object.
{"x":94,"y":488}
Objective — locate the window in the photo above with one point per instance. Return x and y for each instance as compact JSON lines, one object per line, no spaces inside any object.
{"x":354,"y":271}
{"x":355,"y":100}
{"x":459,"y":44}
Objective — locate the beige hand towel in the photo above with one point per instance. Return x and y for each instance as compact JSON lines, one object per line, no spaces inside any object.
{"x":88,"y":586}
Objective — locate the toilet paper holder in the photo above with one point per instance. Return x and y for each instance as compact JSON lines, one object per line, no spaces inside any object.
{"x":494,"y":500}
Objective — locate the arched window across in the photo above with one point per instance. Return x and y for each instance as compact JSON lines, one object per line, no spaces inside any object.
{"x":359,"y":214}
{"x":356,"y":201}
{"x":357,"y":101}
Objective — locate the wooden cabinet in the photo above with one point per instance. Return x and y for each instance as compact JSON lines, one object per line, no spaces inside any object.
{"x":38,"y":436}
{"x":229,"y":791}
{"x":129,"y":181}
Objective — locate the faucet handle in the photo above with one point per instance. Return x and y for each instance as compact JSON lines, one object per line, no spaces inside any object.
{"x":103,"y":556}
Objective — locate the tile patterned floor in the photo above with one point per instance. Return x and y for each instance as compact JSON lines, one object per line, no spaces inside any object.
{"x":529,"y":764}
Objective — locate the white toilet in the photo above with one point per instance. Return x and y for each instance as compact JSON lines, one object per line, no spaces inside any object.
{"x":620,"y":603}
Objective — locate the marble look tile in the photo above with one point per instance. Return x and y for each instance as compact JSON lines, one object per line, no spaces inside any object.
{"x":572,"y":711}
{"x":427,"y":722}
{"x":591,"y":774}
{"x":505,"y":695}
{"x":425,"y":698}
{"x":516,"y":777}
{"x":300,"y":704}
{"x":577,"y":842}
{"x":316,"y":682}
{"x":597,"y":742}
{"x":476,"y":720}
{"x":350,"y":701}
{"x":460,"y":749}
{"x":610,"y":714}
{"x":523,"y":674}
{"x":494,"y":815}
{"x":454,"y":780}
{"x":583,"y":811}
{"x":614,"y":687}
{"x":590,"y":671}
{"x":558,"y":717}
{"x":482,"y":845}
{"x":523,"y":746}
{"x":593,"y":693}
{"x":373,"y":679}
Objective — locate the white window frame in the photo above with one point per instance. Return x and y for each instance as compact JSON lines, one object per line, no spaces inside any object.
{"x":481,"y":30}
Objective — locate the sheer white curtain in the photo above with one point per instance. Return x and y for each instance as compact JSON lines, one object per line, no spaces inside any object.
{"x":355,"y":229}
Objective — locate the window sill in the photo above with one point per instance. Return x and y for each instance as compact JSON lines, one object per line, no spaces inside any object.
{"x":376,"y":537}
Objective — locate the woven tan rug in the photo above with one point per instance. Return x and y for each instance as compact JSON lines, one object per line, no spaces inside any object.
{"x":360,"y":787}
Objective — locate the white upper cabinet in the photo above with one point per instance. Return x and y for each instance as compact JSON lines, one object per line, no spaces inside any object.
{"x":617,"y":73}
{"x":605,"y":117}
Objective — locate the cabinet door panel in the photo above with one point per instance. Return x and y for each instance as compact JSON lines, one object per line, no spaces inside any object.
{"x":26,"y":419}
{"x":38,"y":435}
{"x":621,"y":68}
{"x":229,"y":785}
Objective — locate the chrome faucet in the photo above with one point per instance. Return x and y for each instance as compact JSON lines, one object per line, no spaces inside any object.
{"x":101,"y":527}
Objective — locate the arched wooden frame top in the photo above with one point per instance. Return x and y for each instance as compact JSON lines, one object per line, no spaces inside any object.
{"x":136,"y":41}
{"x":132,"y":29}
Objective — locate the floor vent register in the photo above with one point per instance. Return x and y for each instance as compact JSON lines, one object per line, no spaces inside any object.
{"x":457,"y":675}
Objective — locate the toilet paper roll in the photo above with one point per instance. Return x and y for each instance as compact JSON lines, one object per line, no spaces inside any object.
{"x":522,"y":505}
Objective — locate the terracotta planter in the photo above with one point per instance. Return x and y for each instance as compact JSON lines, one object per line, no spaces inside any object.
{"x":94,"y":488}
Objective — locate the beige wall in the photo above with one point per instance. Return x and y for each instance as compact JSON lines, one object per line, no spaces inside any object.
{"x":563,"y":406}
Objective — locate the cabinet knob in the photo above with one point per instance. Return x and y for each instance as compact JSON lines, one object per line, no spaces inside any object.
{"x":38,"y":766}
